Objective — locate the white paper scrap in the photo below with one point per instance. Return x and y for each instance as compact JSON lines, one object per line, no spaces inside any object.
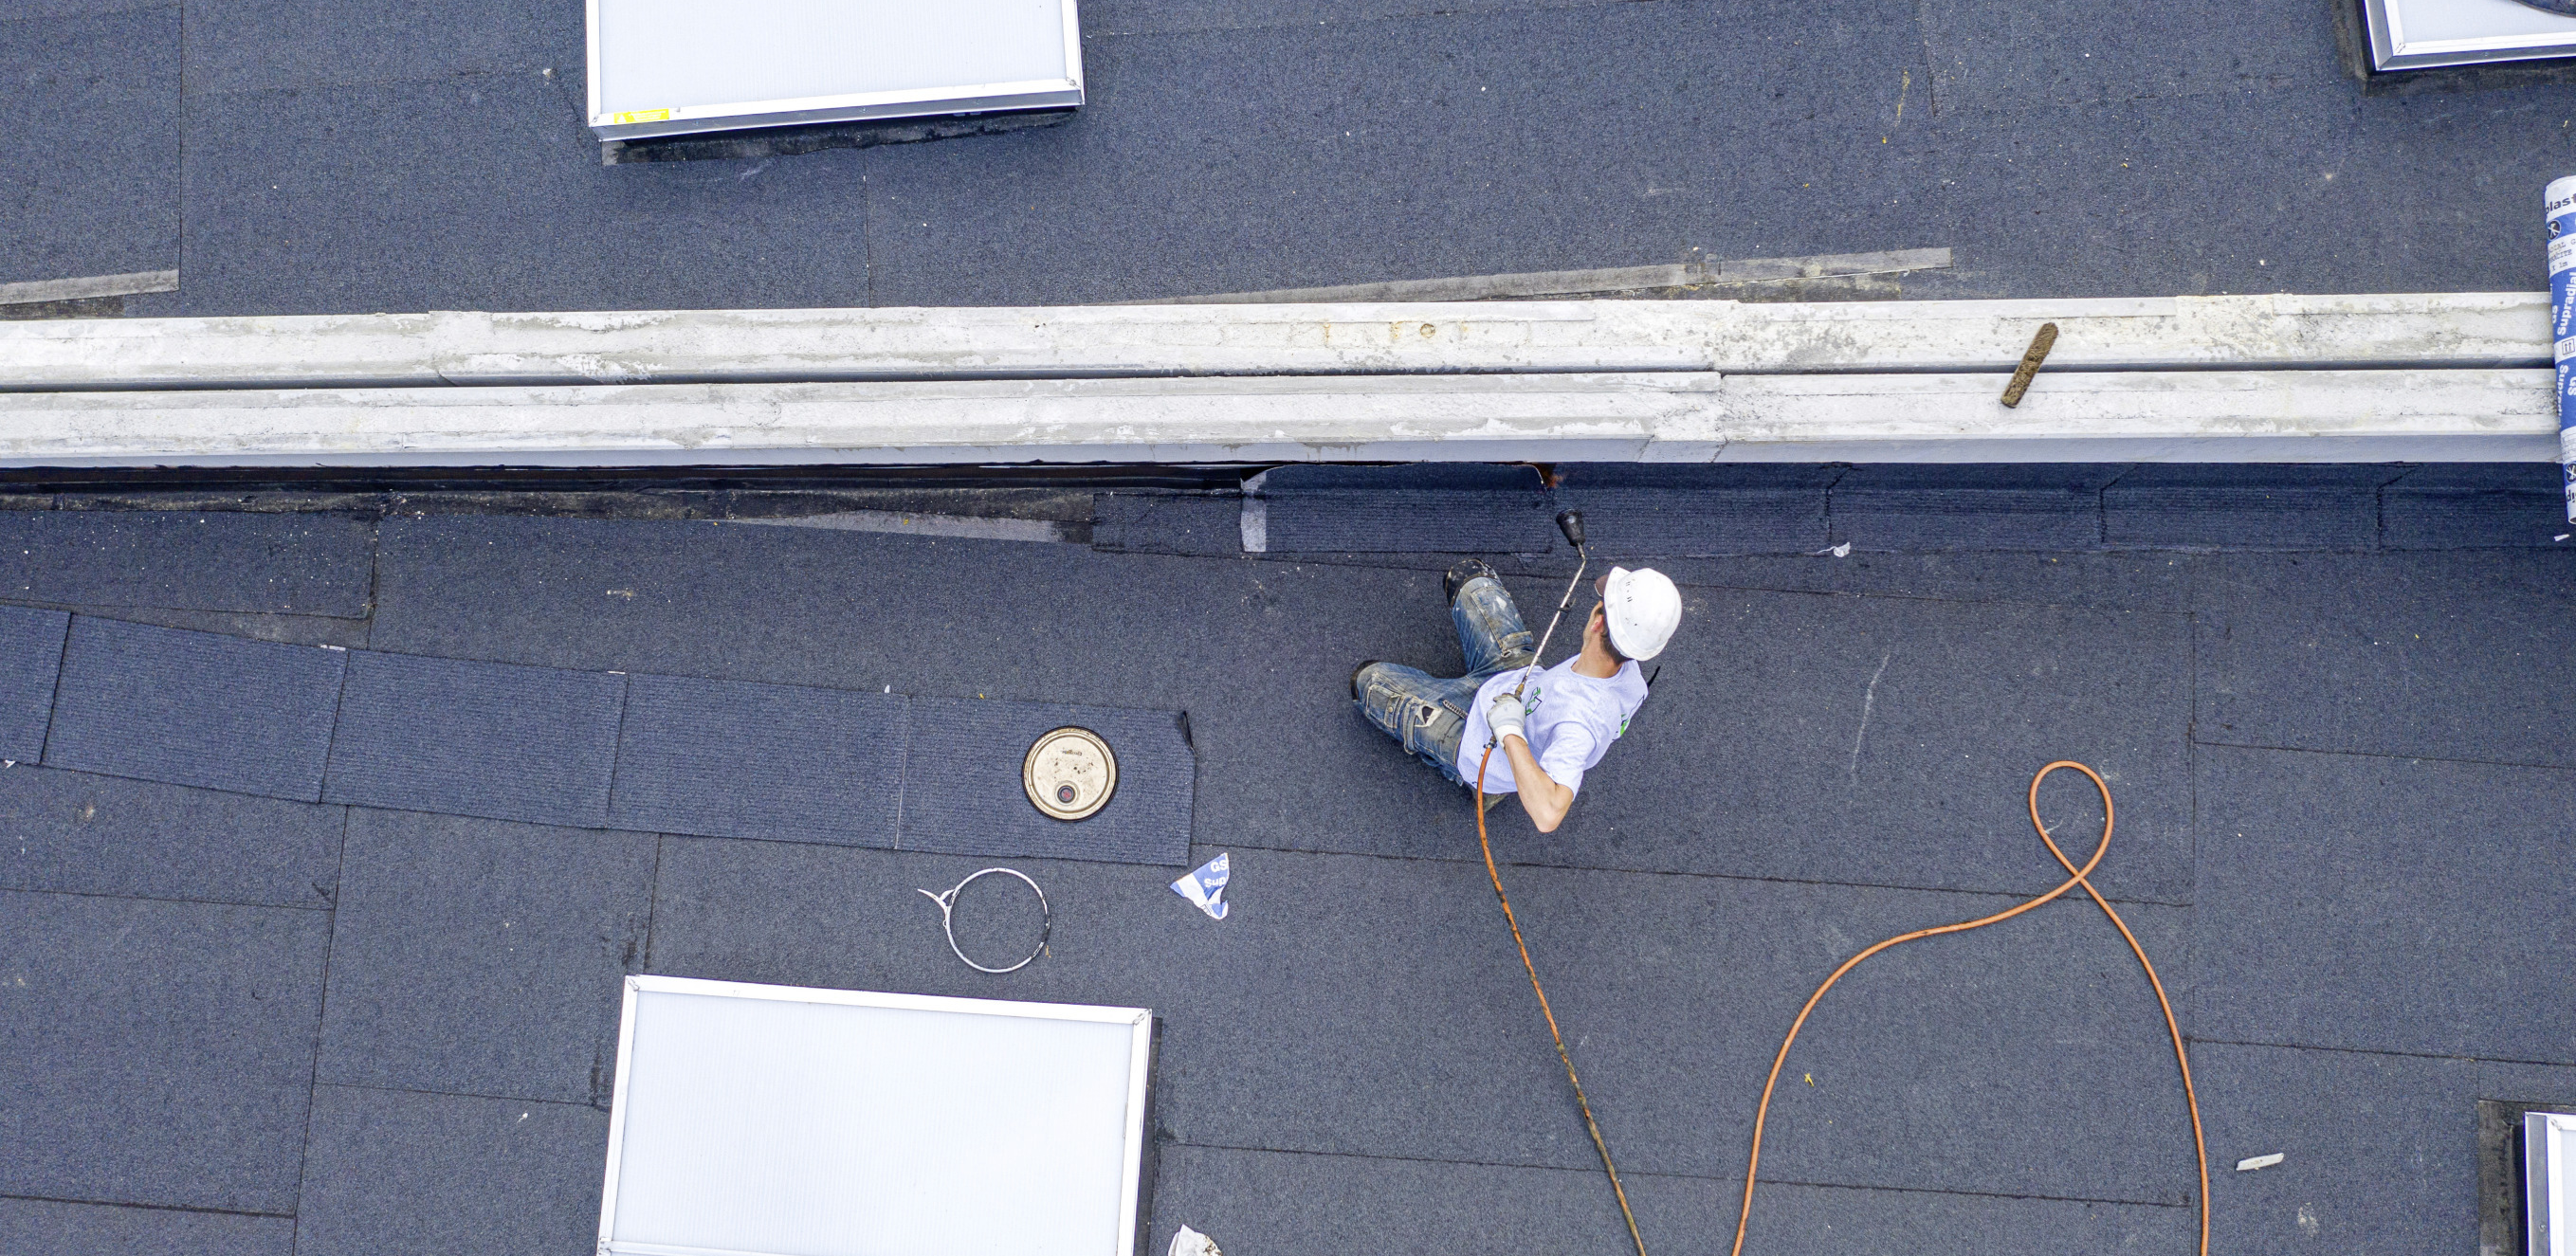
{"x":1190,"y":1242}
{"x":2251,"y":1163}
{"x":1205,"y":886}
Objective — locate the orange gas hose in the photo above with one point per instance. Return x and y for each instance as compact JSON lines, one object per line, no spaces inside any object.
{"x":1563,"y":1056}
{"x":2075,"y":877}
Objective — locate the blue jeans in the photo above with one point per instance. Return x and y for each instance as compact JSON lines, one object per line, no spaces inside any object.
{"x":1427,"y":713}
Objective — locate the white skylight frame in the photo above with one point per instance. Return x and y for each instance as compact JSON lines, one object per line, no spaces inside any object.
{"x":1140,"y":1022}
{"x":2549,"y":1182}
{"x":2393,"y":48}
{"x":688,"y":118}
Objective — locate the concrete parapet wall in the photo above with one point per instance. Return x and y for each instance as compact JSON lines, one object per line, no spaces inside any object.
{"x":2251,"y":416}
{"x":2438,"y":377}
{"x":1551,"y":337}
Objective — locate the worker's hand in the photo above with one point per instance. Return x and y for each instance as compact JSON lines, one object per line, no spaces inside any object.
{"x":1506,"y":716}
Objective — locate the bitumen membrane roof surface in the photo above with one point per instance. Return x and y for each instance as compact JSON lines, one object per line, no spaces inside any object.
{"x":292,"y":156}
{"x":2330,"y":709}
{"x":2343,"y":773}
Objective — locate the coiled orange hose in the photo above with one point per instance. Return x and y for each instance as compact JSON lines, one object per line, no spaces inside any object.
{"x":2075,"y":877}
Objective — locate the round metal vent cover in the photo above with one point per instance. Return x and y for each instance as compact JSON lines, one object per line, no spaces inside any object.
{"x":1070,"y":773}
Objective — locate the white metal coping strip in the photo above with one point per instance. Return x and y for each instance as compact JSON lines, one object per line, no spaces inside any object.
{"x":2491,"y":43}
{"x":624,"y":1248}
{"x":1140,"y":1052}
{"x":2479,"y":43}
{"x":757,"y":108}
{"x":1073,"y":44}
{"x":617,"y":1115}
{"x":590,"y":70}
{"x":2538,"y":1205}
{"x":2400,"y":46}
{"x":900,"y":1002}
{"x":2546,"y":1212}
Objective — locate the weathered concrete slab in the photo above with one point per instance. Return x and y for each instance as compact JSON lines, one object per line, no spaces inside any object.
{"x":2463,"y":414}
{"x":2407,"y":330}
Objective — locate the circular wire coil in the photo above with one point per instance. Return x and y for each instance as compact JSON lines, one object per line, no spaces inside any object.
{"x":948,"y":923}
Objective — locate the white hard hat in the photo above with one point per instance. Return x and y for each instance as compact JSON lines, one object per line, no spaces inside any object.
{"x":1643,"y":609}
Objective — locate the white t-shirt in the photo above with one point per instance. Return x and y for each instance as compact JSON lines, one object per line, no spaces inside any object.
{"x":1572,"y":721}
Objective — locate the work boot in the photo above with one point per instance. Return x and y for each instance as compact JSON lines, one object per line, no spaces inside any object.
{"x":1466,"y":570}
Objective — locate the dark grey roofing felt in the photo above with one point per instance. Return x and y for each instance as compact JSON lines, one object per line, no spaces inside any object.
{"x":473,"y":738}
{"x":195,"y":708}
{"x":462,"y":737}
{"x":432,"y":973}
{"x":1667,"y":512}
{"x":399,"y":1171}
{"x":730,"y":759}
{"x":31,"y":658}
{"x":1357,"y":521}
{"x":83,"y":833}
{"x":94,"y":148}
{"x":2320,"y":507}
{"x":160,"y":1053}
{"x":1234,"y":145}
{"x":45,"y":1227}
{"x":280,"y":564}
{"x":963,"y":791}
{"x":2336,"y":891}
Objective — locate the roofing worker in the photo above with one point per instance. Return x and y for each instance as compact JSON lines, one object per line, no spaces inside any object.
{"x":1563,"y":720}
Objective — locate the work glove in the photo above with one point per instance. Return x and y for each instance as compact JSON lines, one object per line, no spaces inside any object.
{"x":1506,"y":716}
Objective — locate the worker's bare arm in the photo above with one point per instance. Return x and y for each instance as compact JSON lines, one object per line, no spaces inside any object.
{"x":1544,"y":799}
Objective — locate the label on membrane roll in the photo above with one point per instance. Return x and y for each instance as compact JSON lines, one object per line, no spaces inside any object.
{"x":2560,"y":203}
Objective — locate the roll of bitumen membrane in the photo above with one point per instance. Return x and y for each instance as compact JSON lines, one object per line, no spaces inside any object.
{"x":2560,"y":204}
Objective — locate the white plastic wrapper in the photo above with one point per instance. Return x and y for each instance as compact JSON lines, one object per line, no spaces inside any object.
{"x":1205,"y":886}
